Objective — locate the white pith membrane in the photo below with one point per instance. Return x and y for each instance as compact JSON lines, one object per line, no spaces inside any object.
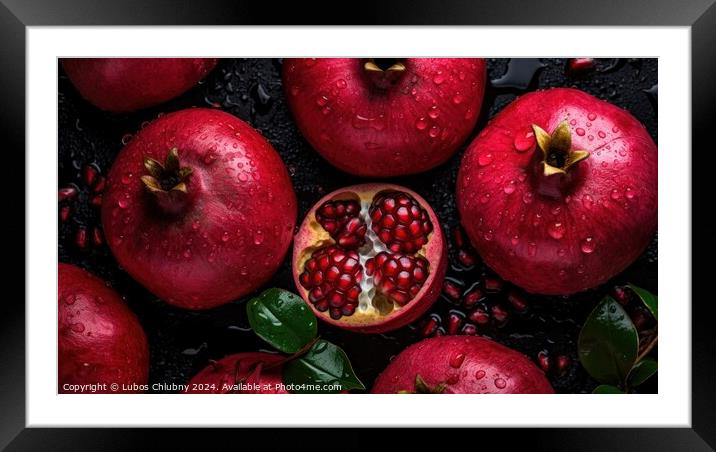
{"x":371,"y":302}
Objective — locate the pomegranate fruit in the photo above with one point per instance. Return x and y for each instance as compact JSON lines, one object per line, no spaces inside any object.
{"x":559,"y":192}
{"x":199,"y":208}
{"x":370,"y":258}
{"x":385,"y":117}
{"x":461,"y":365}
{"x":100,"y":341}
{"x":127,"y":84}
{"x":246,"y":373}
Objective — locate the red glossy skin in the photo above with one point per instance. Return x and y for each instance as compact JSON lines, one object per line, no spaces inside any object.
{"x":435,"y":251}
{"x":240,"y":374}
{"x":123,"y":85}
{"x":604,"y":217}
{"x":409,"y":127}
{"x":465,"y":365}
{"x":235,"y":228}
{"x":99,"y":339}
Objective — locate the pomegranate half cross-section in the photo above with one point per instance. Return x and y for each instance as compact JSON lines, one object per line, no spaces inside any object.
{"x":370,"y":258}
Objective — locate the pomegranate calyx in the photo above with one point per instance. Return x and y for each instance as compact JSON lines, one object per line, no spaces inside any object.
{"x":421,"y":387}
{"x":167,"y":177}
{"x":557,"y":154}
{"x":383,"y":72}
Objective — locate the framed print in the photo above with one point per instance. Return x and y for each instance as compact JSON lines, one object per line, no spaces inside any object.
{"x":345,"y":217}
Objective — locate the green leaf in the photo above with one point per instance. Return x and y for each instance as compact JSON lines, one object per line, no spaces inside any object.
{"x":642,"y":371}
{"x":649,"y":299}
{"x":282,"y":319}
{"x":323,"y":364}
{"x":607,"y":389}
{"x":608,"y":343}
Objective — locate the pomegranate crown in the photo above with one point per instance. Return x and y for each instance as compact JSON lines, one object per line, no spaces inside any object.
{"x":557,"y":154}
{"x":169,"y":177}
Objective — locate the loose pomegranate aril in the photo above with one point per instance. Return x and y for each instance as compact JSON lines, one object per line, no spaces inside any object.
{"x":81,"y":237}
{"x":66,"y":193}
{"x":499,"y":314}
{"x":479,"y":316}
{"x":452,"y":290}
{"x":472,"y":297}
{"x":97,"y":237}
{"x":65,"y":212}
{"x":458,"y":237}
{"x":563,"y":362}
{"x":99,"y":185}
{"x":96,"y":201}
{"x":469,"y":329}
{"x":400,"y":222}
{"x":341,"y":220}
{"x":620,"y":295}
{"x":431,"y":325}
{"x":517,"y":301}
{"x":397,"y":276}
{"x":332,"y":276}
{"x":466,"y":258}
{"x":455,"y":321}
{"x":492,"y":284}
{"x":543,"y":361}
{"x":89,"y":174}
{"x":579,"y":65}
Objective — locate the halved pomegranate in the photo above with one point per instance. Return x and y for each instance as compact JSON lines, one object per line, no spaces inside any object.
{"x":370,"y":258}
{"x":245,"y":373}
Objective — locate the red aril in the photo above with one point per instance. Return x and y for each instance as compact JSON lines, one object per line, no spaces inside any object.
{"x":127,"y":84}
{"x":385,"y":117}
{"x":370,"y":258}
{"x":199,"y":208}
{"x":245,"y":373}
{"x":559,"y":192}
{"x":100,"y":341}
{"x":461,"y":365}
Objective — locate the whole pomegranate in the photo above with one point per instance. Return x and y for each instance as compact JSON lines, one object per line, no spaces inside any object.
{"x":461,"y":365}
{"x":559,"y":192}
{"x":127,"y":84}
{"x":247,"y":373}
{"x":100,"y":341}
{"x":370,"y":258}
{"x":199,"y":208}
{"x":385,"y":117}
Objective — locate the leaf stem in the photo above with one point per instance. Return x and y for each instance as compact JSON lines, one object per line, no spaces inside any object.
{"x":296,"y":355}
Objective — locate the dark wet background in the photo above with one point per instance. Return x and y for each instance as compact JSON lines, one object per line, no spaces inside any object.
{"x":182,"y":342}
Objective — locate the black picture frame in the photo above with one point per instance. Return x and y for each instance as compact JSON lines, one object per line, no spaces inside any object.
{"x":700,"y":16}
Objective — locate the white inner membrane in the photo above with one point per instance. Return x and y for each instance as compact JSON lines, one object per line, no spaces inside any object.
{"x":372,"y":247}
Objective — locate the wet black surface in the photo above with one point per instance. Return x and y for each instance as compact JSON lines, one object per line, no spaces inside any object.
{"x":182,"y":342}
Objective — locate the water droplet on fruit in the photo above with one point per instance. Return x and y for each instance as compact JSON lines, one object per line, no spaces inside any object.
{"x":126,"y":138}
{"x":434,"y":131}
{"x":322,"y":100}
{"x":479,"y":375}
{"x":484,"y":159}
{"x":629,"y":193}
{"x":527,"y":197}
{"x":509,"y":188}
{"x":438,"y":78}
{"x":421,"y":124}
{"x":457,"y":360}
{"x":615,"y":129}
{"x":434,"y":112}
{"x":340,"y":83}
{"x":573,"y":122}
{"x":588,"y":245}
{"x":364,"y":122}
{"x":225,"y":236}
{"x":123,"y":203}
{"x":126,"y":178}
{"x":258,"y":237}
{"x":601,"y":134}
{"x":500,"y":383}
{"x":580,"y":131}
{"x":615,"y":194}
{"x":532,"y":249}
{"x":587,"y":201}
{"x":187,"y":253}
{"x":457,"y":99}
{"x":524,"y":142}
{"x":590,"y":137}
{"x":70,"y":299}
{"x":489,"y":235}
{"x":78,"y":327}
{"x":556,"y":230}
{"x":591,"y":116}
{"x":515,"y":240}
{"x":484,"y":199}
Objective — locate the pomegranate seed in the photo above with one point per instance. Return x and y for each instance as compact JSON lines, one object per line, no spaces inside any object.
{"x":332,"y":277}
{"x":99,"y":185}
{"x":89,"y":174}
{"x":452,"y":290}
{"x":562,"y":364}
{"x":517,"y":301}
{"x":440,"y":332}
{"x":458,"y":237}
{"x":430,"y":326}
{"x":96,"y":200}
{"x":469,"y":329}
{"x":97,"y":238}
{"x":543,"y":361}
{"x":342,"y":222}
{"x":400,"y":222}
{"x":620,"y":295}
{"x":479,"y":316}
{"x":66,"y":193}
{"x":455,"y":321}
{"x":492,"y":284}
{"x":81,"y":237}
{"x":65,"y":212}
{"x":466,"y":258}
{"x":579,"y":65}
{"x":499,"y":314}
{"x":472,"y":296}
{"x":398,"y":277}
